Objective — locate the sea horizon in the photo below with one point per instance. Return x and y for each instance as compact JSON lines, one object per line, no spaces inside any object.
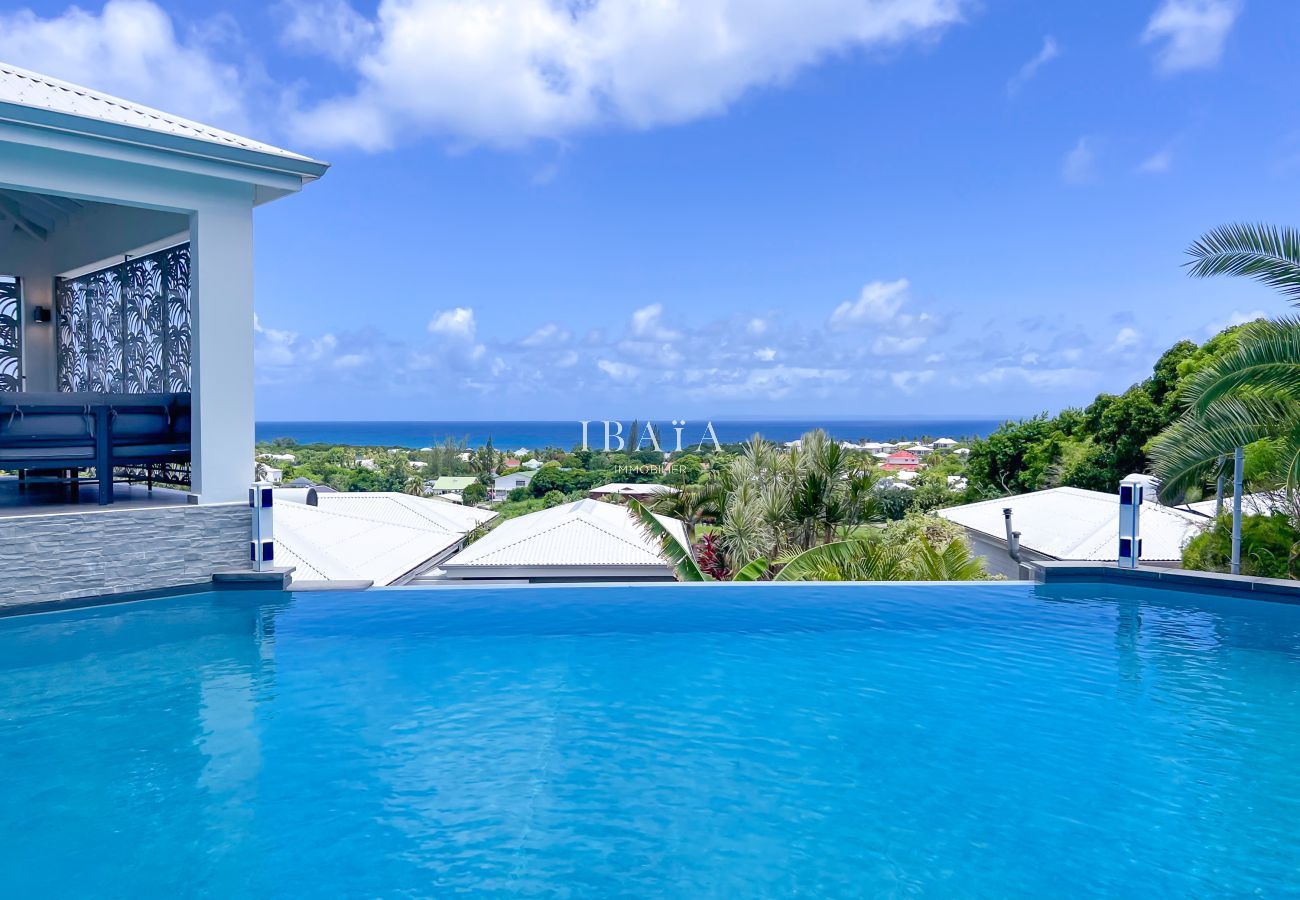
{"x":534,"y":434}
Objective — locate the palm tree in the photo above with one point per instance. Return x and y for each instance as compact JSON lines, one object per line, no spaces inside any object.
{"x":863,"y":560}
{"x":692,"y":504}
{"x":1248,"y":396}
{"x":1264,"y":252}
{"x":1253,"y":394}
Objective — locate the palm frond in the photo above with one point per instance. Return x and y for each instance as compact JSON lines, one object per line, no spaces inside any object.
{"x":1265,"y":253}
{"x":953,"y":562}
{"x":851,"y":560}
{"x":1185,"y":453}
{"x":753,"y":571}
{"x":670,"y":548}
{"x":1266,"y":362}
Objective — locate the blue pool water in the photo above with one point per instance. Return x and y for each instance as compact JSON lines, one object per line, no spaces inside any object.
{"x":738,"y":741}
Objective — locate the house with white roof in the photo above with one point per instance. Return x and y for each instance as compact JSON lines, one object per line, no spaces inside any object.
{"x":504,"y":484}
{"x":379,"y":537}
{"x":586,"y":540}
{"x":944,"y":443}
{"x":1068,"y":523}
{"x":626,"y":489}
{"x":533,"y":464}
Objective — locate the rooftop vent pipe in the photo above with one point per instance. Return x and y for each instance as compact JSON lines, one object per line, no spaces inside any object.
{"x":1013,"y":537}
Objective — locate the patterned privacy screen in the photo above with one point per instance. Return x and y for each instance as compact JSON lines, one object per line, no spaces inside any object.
{"x":126,"y":329}
{"x":11,"y":355}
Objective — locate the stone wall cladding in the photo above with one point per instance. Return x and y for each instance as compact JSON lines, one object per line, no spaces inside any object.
{"x":47,"y":558}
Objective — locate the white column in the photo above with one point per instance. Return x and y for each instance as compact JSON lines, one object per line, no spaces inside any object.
{"x":221,"y":350}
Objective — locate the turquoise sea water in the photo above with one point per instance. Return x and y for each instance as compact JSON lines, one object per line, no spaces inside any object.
{"x":675,"y":741}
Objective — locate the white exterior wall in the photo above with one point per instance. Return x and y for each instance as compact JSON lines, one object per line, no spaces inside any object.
{"x":216,"y":201}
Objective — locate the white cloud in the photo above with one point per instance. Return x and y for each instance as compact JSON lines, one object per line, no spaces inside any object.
{"x":1126,"y":339}
{"x":1046,"y":54}
{"x":1237,"y":318}
{"x":1157,"y":163}
{"x":617,"y":370}
{"x":908,"y":381}
{"x":457,"y":323}
{"x":878,"y":304}
{"x":1021,"y":376}
{"x":130,"y":49}
{"x":547,"y":335}
{"x":895,"y":345}
{"x":507,"y":71}
{"x":756,"y":326}
{"x":350,"y":361}
{"x":331,"y":28}
{"x":1191,"y":33}
{"x":1079,"y":166}
{"x":765,"y":354}
{"x":647,"y":323}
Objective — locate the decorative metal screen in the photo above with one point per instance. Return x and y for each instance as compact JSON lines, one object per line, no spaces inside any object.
{"x":11,"y":350}
{"x":126,"y":329}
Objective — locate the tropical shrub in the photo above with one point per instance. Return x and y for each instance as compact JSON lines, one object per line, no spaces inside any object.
{"x":908,"y":534}
{"x":552,"y":498}
{"x":1269,"y":547}
{"x":474,"y":493}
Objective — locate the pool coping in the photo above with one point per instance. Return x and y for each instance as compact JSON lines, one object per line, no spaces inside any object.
{"x":1072,"y":572}
{"x":275,"y":579}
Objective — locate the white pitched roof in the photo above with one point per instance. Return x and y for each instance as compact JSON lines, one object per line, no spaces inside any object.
{"x":377,"y":537}
{"x":588,"y":534}
{"x":405,"y":509}
{"x":621,"y":487}
{"x":24,"y":88}
{"x":1258,"y":504}
{"x":1072,"y":523}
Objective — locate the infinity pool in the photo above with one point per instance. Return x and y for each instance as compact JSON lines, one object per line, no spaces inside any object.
{"x":677,"y":741}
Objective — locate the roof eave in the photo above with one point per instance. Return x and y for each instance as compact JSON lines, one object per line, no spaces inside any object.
{"x":303,"y":167}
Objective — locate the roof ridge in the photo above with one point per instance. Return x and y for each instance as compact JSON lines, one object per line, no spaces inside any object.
{"x":528,"y":537}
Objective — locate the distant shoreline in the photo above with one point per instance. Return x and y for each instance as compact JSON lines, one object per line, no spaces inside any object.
{"x":507,"y":434}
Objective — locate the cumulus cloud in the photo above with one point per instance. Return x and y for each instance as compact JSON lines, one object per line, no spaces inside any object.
{"x":647,"y":322}
{"x":895,"y":345}
{"x":457,"y":323}
{"x":723,"y":364}
{"x":507,"y":71}
{"x":877,"y":304}
{"x":1157,"y":163}
{"x":1022,"y":376}
{"x":1125,"y":339}
{"x":131,"y":49}
{"x":908,"y":381}
{"x":548,"y":335}
{"x":329,"y":28}
{"x":1048,"y":52}
{"x":1190,"y":33}
{"x":619,"y":371}
{"x":1080,"y":163}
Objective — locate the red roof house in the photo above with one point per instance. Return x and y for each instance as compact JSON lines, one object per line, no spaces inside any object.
{"x":901,"y":461}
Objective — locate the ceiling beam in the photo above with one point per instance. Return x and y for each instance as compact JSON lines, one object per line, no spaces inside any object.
{"x":16,"y":214}
{"x":52,"y":211}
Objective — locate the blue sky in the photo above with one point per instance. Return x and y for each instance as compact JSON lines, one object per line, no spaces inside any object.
{"x":850,"y":208}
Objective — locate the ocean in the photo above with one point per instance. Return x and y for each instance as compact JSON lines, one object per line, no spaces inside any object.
{"x":511,"y":435}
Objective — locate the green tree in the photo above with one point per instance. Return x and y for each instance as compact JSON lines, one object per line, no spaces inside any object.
{"x":474,"y":494}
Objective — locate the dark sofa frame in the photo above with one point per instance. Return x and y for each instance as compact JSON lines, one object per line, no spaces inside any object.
{"x":75,"y":431}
